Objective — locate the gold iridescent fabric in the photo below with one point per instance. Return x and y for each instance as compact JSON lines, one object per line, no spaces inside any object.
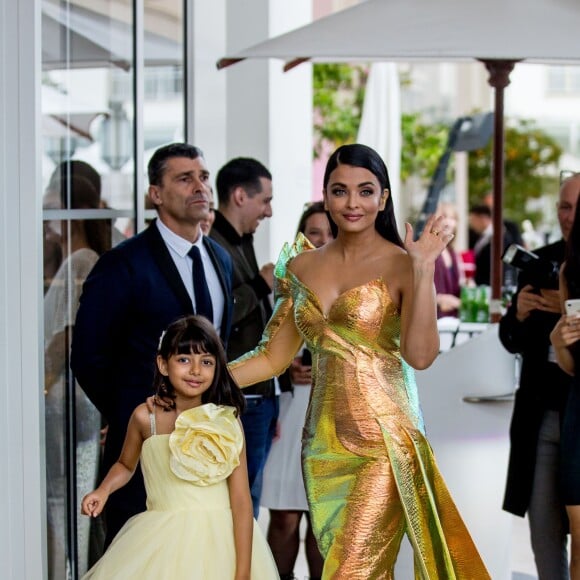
{"x":369,"y":471}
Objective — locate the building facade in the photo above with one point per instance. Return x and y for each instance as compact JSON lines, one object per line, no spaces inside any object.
{"x":105,"y":83}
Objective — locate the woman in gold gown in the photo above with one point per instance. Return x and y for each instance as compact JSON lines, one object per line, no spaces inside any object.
{"x":364,"y":304}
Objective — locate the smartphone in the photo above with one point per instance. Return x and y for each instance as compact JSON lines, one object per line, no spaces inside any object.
{"x":307,"y":357}
{"x":573,"y":306}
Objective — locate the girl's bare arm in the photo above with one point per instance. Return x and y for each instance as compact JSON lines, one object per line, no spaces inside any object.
{"x":121,"y":471}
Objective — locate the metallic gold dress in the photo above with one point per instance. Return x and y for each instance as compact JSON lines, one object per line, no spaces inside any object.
{"x":369,"y":471}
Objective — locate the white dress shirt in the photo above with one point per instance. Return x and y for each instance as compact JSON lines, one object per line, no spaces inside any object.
{"x":178,"y":248}
{"x":483,"y":240}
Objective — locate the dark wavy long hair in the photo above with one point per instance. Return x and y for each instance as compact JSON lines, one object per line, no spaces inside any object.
{"x":195,"y":334}
{"x":78,"y":192}
{"x":572,"y":266}
{"x":359,"y":155}
{"x":78,"y":186}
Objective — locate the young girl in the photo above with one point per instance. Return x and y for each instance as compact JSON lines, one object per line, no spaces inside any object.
{"x":198,"y":523}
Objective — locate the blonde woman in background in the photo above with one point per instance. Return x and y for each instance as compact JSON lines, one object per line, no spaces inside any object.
{"x":448,"y":272}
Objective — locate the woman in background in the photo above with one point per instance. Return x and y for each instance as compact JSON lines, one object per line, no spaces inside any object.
{"x":82,"y":242}
{"x":447,"y":269}
{"x":283,"y":488}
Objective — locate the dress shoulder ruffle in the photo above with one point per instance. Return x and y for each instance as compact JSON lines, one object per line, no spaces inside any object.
{"x":289,"y":252}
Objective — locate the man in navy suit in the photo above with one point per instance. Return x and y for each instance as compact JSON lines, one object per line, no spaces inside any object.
{"x":134,"y":292}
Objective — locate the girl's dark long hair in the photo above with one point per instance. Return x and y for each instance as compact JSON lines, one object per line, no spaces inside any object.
{"x":359,"y":155}
{"x":195,"y":334}
{"x":572,"y":266}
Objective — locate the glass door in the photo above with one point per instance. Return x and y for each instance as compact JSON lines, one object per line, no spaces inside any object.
{"x":112,"y":92}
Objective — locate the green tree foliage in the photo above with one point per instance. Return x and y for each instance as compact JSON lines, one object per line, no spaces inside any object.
{"x":422,"y":145}
{"x":530,"y":154}
{"x":338,"y":102}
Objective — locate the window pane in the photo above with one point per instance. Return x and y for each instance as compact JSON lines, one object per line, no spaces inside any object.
{"x":164,"y":92}
{"x":556,"y":79}
{"x":87,"y":123}
{"x":88,"y":171}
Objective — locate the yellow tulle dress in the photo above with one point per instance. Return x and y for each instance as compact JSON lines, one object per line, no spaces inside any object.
{"x":369,"y":471}
{"x":187,"y":531}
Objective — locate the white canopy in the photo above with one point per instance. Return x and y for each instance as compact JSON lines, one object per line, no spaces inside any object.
{"x":499,"y":32}
{"x":442,"y":30}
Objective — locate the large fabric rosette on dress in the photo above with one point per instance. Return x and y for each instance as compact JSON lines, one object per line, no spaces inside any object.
{"x":205,"y":444}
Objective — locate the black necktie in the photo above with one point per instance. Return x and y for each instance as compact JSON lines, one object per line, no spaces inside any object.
{"x":203,"y":305}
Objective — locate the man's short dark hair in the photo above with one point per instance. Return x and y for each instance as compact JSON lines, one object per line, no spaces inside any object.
{"x":481,"y":209}
{"x":240,"y":172}
{"x":158,"y":162}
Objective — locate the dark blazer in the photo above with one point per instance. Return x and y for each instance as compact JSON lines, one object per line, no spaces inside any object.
{"x":543,"y":386}
{"x":132,"y":294}
{"x":252,"y":308}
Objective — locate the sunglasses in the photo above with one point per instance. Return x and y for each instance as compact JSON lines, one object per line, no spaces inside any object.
{"x":566,"y":174}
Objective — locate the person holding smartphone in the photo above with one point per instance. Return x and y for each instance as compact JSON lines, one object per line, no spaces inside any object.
{"x":533,"y":485}
{"x":564,"y":338}
{"x":283,"y":489}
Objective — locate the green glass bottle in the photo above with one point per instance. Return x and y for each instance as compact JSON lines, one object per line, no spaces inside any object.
{"x":467,"y":299}
{"x":482,"y":301}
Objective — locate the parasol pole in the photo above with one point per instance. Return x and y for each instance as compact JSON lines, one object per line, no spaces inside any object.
{"x":499,"y":79}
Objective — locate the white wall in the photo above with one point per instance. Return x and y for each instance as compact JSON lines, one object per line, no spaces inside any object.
{"x":527,"y":96}
{"x":208,"y":106}
{"x":269,"y":114}
{"x":22,"y":529}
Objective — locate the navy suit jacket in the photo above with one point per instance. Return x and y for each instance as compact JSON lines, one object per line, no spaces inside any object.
{"x":132,"y":294}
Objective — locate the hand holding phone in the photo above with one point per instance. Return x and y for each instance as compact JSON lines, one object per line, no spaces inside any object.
{"x":572,"y":306}
{"x":567,"y":329}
